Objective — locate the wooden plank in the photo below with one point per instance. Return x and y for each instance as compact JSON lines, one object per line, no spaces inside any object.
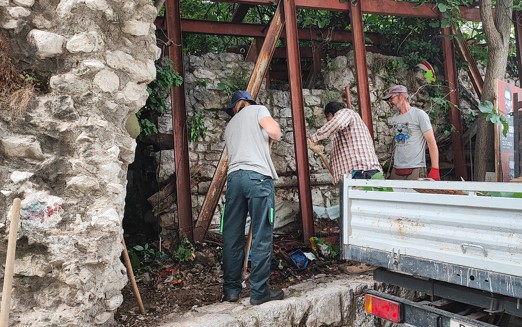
{"x":256,"y":79}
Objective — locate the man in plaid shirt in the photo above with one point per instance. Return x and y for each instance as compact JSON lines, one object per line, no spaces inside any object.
{"x":352,"y":150}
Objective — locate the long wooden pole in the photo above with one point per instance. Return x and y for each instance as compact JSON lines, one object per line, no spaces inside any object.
{"x":256,"y":79}
{"x":135,"y":289}
{"x":9,"y":264}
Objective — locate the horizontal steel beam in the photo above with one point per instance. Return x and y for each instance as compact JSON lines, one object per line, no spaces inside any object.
{"x":379,"y":7}
{"x":257,"y":30}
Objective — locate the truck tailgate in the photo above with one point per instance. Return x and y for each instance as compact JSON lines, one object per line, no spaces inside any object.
{"x":466,"y":233}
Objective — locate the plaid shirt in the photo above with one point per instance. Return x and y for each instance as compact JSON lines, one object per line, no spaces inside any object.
{"x":352,"y":146}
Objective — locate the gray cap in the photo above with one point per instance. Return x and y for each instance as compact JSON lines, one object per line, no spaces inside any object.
{"x":395,"y":89}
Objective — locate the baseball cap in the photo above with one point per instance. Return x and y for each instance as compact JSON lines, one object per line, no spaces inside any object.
{"x":236,"y":96}
{"x":395,"y":89}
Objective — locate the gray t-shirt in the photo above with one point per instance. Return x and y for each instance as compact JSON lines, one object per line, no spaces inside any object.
{"x":247,"y":142}
{"x":410,"y":144}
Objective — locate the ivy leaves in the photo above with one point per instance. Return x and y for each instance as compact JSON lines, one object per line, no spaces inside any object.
{"x":159,"y":91}
{"x":492,"y":115}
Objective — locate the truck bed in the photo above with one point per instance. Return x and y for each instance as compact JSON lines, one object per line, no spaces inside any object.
{"x":464,"y":233}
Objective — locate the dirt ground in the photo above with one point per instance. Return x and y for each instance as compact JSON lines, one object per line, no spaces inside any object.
{"x":173,"y":287}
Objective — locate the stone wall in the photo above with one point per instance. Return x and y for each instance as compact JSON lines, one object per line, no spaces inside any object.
{"x":66,"y":155}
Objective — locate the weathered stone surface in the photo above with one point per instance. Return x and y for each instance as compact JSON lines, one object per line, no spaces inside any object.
{"x":18,"y":12}
{"x":47,"y":44}
{"x":24,"y":3}
{"x":107,"y":81}
{"x":21,"y":147}
{"x":84,"y":42}
{"x":142,"y":72}
{"x":77,"y":150}
{"x":137,"y":28}
{"x":19,"y":176}
{"x":312,"y":304}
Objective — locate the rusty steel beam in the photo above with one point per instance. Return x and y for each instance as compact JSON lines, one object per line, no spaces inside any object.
{"x":298,"y":120}
{"x":361,"y":68}
{"x":257,"y":30}
{"x":465,"y":53}
{"x":256,"y":79}
{"x":179,"y":122}
{"x":517,"y":20}
{"x":378,"y":7}
{"x":450,"y":71}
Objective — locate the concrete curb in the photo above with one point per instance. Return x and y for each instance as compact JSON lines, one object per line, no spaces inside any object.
{"x":324,"y":301}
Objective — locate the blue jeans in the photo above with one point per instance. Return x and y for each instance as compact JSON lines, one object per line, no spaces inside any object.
{"x":248,"y":192}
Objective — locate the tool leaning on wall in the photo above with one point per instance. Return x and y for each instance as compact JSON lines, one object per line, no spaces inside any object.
{"x":9,"y":264}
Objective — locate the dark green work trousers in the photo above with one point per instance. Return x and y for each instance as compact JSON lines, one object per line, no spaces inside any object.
{"x":253,"y":193}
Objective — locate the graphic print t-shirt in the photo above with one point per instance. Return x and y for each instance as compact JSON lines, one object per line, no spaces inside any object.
{"x":410,"y":145}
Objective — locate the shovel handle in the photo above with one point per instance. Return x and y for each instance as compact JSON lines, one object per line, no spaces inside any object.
{"x":9,"y":264}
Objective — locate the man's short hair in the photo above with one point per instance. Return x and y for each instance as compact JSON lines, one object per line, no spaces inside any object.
{"x":333,"y":107}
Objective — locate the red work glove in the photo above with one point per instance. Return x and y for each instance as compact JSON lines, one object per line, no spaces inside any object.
{"x":434,"y":174}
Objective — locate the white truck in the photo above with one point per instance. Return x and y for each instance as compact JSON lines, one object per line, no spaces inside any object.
{"x":459,"y":243}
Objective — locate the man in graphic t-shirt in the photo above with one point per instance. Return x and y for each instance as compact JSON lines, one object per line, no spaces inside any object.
{"x":412,"y":133}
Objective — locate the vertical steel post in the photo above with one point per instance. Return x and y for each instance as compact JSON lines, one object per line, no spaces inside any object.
{"x":296,"y":99}
{"x":450,"y":71}
{"x":361,"y":68}
{"x":179,"y":122}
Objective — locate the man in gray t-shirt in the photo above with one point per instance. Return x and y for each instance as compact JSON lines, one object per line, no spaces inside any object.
{"x":250,"y":190}
{"x":412,"y":133}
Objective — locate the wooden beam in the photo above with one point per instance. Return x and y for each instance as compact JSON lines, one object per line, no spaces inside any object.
{"x":298,"y":120}
{"x":256,"y":79}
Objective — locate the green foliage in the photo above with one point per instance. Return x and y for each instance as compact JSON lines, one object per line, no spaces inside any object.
{"x":325,"y":248}
{"x":201,"y":82}
{"x":143,"y":257}
{"x":147,"y":127}
{"x":493,"y":116}
{"x":314,"y":18}
{"x":438,"y":110}
{"x":185,"y":251}
{"x":159,"y":91}
{"x":238,"y":81}
{"x":331,"y":96}
{"x":197,"y":127}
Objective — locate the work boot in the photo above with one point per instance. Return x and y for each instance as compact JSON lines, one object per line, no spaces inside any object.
{"x":231,"y":297}
{"x":274,"y":294}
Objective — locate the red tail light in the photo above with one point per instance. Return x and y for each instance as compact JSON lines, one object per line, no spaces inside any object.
{"x":382,"y":308}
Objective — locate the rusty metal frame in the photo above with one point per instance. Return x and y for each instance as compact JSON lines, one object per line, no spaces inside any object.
{"x":361,"y":68}
{"x":179,"y":122}
{"x":465,"y":53}
{"x":379,"y":7}
{"x":298,"y":120}
{"x":175,"y":26}
{"x":257,"y":30}
{"x":450,"y":70}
